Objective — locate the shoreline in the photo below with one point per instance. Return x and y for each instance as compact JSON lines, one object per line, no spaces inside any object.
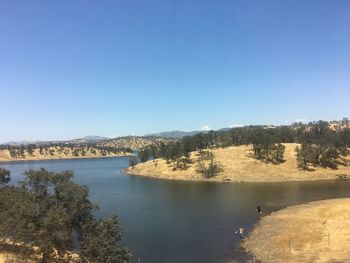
{"x":317,"y":231}
{"x":213,"y":180}
{"x":239,"y":166}
{"x":63,"y":158}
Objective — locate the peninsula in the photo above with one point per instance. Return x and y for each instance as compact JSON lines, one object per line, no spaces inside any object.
{"x":239,"y":166}
{"x":87,"y":147}
{"x":298,"y":152}
{"x":313,"y":232}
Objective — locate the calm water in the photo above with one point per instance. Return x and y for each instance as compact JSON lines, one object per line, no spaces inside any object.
{"x":167,"y":221}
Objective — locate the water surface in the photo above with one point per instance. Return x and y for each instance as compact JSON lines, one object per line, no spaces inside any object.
{"x":177,"y":221}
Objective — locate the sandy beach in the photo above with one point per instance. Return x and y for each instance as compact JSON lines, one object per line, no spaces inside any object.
{"x":239,"y":166}
{"x":313,"y":232}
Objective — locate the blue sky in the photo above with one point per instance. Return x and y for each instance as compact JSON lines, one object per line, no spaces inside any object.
{"x":111,"y":68}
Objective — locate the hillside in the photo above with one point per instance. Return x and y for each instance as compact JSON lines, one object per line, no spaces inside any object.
{"x":313,"y":232}
{"x":132,"y":142}
{"x":87,"y":147}
{"x":239,"y":166}
{"x":58,"y":152}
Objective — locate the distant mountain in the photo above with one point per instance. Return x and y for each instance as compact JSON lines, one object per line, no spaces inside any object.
{"x":137,"y":142}
{"x":179,"y":134}
{"x":95,"y":138}
{"x":225,"y":129}
{"x":30,"y":142}
{"x":172,"y":134}
{"x":86,"y":139}
{"x":89,"y":139}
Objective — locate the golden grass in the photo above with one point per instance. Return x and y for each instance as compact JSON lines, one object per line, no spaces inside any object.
{"x":58,"y":154}
{"x":239,"y":166}
{"x":11,"y":252}
{"x":6,"y":257}
{"x":313,"y":232}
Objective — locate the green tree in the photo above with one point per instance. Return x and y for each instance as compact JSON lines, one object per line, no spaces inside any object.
{"x":205,"y":155}
{"x":278,"y":153}
{"x":132,"y":161}
{"x":317,"y":155}
{"x":101,"y":242}
{"x":182,"y":162}
{"x":269,"y":152}
{"x":330,"y":157}
{"x":4,"y":176}
{"x":144,"y":155}
{"x":31,"y":148}
{"x":51,"y":212}
{"x":207,"y":166}
{"x":209,"y":169}
{"x":21,"y":151}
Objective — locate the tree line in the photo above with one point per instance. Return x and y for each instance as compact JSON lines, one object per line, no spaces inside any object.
{"x":321,"y":144}
{"x":48,"y":216}
{"x":19,"y":151}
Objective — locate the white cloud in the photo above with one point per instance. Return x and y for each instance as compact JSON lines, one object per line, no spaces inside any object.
{"x":235,"y":125}
{"x":205,"y":128}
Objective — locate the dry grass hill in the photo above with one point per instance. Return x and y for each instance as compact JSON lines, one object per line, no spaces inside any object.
{"x":313,"y":232}
{"x":59,"y":152}
{"x":239,"y":166}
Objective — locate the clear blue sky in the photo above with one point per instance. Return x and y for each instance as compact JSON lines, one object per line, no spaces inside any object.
{"x":110,"y":68}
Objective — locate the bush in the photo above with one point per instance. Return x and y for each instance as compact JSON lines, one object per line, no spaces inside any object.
{"x":205,"y":155}
{"x":132,"y":161}
{"x":316,"y":155}
{"x":144,"y":155}
{"x":181,"y":163}
{"x":4,"y":176}
{"x":269,"y":152}
{"x":329,"y":158}
{"x":207,"y":166}
{"x":209,"y":169}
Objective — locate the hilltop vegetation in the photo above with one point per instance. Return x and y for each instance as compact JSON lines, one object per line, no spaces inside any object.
{"x":78,"y":148}
{"x":58,"y":151}
{"x":238,"y":164}
{"x":316,"y":145}
{"x":134,"y":142}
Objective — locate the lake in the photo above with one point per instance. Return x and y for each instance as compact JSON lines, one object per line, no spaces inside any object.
{"x":177,"y":221}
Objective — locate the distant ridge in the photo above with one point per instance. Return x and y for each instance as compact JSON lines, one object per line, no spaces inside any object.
{"x":29,"y":142}
{"x":180,"y":134}
{"x":172,"y":134}
{"x":86,"y":139}
{"x":94,"y":138}
{"x":90,"y":139}
{"x":167,"y":135}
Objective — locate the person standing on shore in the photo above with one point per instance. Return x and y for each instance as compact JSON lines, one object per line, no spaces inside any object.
{"x":240,"y":231}
{"x":259,"y":210}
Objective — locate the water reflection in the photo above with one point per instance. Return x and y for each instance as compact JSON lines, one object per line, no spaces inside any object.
{"x":176,"y":221}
